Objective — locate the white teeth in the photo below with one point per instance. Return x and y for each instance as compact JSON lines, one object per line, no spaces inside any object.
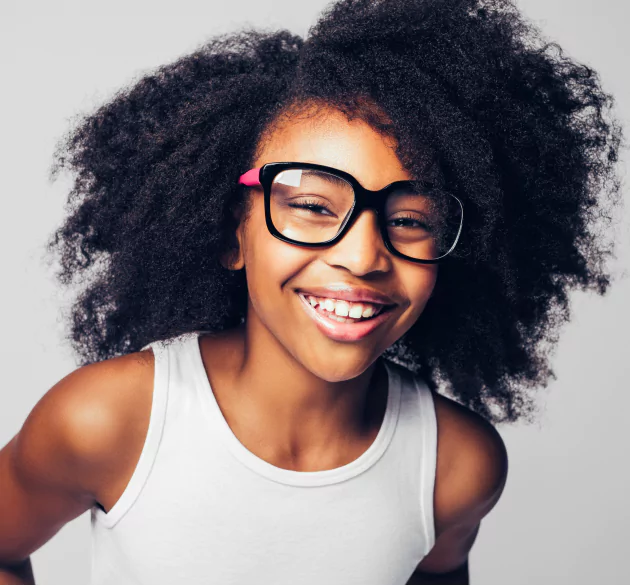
{"x":343,"y":310}
{"x":343,"y":320}
{"x":356,"y":311}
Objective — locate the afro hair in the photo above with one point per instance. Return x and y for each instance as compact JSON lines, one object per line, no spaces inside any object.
{"x":522,"y":134}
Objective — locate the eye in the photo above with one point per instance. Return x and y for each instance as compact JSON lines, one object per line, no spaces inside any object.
{"x":314,"y":206}
{"x":409,"y":221}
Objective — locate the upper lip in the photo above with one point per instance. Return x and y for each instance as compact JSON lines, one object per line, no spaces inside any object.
{"x":348,"y":293}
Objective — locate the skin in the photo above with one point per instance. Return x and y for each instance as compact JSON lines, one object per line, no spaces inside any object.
{"x":329,"y":380}
{"x":80,"y":444}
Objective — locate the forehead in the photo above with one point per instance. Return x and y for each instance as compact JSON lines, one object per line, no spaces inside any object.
{"x":326,"y":136}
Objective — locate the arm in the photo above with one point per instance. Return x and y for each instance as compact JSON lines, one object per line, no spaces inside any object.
{"x":471,"y":489}
{"x":53,"y":469}
{"x":17,"y":574}
{"x":456,"y":576}
{"x":448,"y":563}
{"x":38,"y":493}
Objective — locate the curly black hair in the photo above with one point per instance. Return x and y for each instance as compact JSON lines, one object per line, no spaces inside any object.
{"x":522,"y":134}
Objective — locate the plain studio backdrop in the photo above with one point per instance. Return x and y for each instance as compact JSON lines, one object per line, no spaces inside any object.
{"x":563,"y":517}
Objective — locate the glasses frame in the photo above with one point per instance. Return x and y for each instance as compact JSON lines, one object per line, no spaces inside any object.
{"x":363,"y":199}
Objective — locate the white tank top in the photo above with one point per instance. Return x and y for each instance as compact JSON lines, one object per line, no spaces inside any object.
{"x":200,"y":508}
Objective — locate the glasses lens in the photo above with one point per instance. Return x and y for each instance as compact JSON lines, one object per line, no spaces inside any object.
{"x":308,"y":205}
{"x":422,"y":225}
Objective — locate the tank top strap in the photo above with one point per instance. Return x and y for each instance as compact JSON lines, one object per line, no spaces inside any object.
{"x":428,"y":467}
{"x":416,"y":447}
{"x":152,"y":440}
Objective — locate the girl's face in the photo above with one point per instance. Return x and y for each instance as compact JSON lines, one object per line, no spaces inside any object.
{"x":277,"y":271}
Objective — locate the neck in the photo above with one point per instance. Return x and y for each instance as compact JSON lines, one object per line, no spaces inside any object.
{"x":272,"y":401}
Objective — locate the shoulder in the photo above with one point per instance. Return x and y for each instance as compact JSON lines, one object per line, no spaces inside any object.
{"x":474,"y":462}
{"x":81,"y":433}
{"x":471,"y":473}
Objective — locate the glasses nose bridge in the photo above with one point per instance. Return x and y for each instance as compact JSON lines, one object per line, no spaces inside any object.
{"x":360,"y":241}
{"x":368,"y":199}
{"x":365,"y":199}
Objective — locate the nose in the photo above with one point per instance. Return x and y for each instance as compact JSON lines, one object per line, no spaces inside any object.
{"x":361,"y":250}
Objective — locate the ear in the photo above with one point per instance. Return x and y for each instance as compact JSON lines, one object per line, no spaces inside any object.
{"x":233,"y":259}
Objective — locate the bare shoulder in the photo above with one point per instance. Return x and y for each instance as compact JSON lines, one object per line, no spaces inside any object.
{"x":475,"y":461}
{"x":95,"y":419}
{"x":471,"y":473}
{"x":77,"y":447}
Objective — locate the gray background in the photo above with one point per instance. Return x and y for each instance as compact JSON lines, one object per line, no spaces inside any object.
{"x":563,"y":517}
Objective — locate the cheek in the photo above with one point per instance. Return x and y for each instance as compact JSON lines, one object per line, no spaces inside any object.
{"x":418,"y":283}
{"x":269,"y":262}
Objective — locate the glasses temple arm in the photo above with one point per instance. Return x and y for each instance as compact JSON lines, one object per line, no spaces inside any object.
{"x":252,"y":177}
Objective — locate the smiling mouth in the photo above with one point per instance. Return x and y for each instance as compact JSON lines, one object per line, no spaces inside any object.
{"x":343,"y":311}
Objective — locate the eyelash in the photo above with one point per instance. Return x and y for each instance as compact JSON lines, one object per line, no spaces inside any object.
{"x":409,"y":217}
{"x":309,"y":205}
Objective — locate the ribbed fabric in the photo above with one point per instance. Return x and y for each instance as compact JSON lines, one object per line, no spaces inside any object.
{"x":200,"y":508}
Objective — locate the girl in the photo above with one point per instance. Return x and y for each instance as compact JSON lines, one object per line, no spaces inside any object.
{"x":287,"y":244}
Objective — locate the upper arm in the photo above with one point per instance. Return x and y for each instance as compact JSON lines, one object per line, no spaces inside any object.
{"x":51,"y":469}
{"x":468,"y":491}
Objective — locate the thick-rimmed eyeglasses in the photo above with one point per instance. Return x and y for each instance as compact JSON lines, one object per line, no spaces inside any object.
{"x":315,"y":205}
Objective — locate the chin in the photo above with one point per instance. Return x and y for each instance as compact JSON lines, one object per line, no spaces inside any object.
{"x":340,"y":367}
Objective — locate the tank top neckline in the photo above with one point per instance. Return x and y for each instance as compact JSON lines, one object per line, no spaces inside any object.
{"x":295,"y":477}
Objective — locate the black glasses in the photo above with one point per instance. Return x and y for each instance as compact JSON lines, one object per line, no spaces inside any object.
{"x":315,"y":205}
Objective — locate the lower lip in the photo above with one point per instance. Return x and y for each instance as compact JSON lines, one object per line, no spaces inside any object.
{"x":342,"y":332}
